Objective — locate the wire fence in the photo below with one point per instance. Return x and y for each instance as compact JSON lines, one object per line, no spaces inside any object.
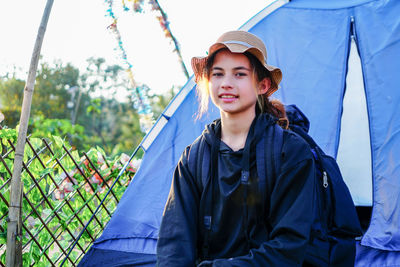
{"x":61,"y":191}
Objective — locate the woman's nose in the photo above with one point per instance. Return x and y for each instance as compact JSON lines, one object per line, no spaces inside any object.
{"x":226,"y":82}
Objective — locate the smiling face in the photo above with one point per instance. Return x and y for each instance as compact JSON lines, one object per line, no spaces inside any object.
{"x":232,"y":85}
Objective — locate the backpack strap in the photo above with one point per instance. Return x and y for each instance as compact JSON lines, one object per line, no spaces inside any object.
{"x":204,"y":164}
{"x":277,"y":149}
{"x":199,"y":162}
{"x":268,"y":159}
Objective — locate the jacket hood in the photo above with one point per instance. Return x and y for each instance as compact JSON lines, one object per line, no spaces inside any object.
{"x":212,"y":132}
{"x":260,"y":122}
{"x":296,"y":117}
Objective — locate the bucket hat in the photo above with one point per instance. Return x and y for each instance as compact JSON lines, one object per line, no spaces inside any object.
{"x":239,"y":42}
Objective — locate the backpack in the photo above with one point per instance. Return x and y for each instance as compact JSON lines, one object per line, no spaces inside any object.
{"x":336,"y":223}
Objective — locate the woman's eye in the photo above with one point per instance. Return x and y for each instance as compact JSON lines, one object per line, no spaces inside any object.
{"x":216,"y":74}
{"x":241,"y":74}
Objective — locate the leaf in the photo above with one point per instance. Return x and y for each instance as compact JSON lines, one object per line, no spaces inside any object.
{"x":2,"y":168}
{"x":35,"y":167}
{"x":101,"y":150}
{"x":95,"y":187}
{"x":66,"y":217}
{"x":75,"y":155}
{"x":44,"y":237}
{"x":9,"y":163}
{"x":36,"y":142}
{"x":45,"y":171}
{"x":55,"y":256}
{"x":27,"y":153}
{"x":3,"y":238}
{"x":47,"y":188}
{"x":3,"y":257}
{"x":35,"y":253}
{"x":91,"y":153}
{"x":41,"y":264}
{"x":64,"y":243}
{"x":46,"y":213}
{"x":74,"y":254}
{"x":8,"y":134}
{"x":59,"y":141}
{"x":3,"y":208}
{"x":26,"y":259}
{"x":105,"y":173}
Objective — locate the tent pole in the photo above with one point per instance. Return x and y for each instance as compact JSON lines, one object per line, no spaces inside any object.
{"x":14,"y":224}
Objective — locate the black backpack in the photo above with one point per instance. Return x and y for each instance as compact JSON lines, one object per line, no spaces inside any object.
{"x":336,"y":224}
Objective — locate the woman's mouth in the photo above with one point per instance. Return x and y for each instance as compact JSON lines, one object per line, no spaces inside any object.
{"x":228,"y":98}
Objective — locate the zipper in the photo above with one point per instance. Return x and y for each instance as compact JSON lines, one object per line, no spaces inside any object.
{"x":325,"y":179}
{"x":353,"y":34}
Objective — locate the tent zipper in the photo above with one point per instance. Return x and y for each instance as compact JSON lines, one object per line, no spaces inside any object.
{"x":353,"y":34}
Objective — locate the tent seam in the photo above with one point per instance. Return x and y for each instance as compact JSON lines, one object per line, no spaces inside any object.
{"x":338,"y":8}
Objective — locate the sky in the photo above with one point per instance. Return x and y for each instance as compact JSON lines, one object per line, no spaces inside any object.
{"x":77,"y":30}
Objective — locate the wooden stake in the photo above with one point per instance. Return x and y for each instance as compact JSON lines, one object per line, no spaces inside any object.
{"x":14,"y":227}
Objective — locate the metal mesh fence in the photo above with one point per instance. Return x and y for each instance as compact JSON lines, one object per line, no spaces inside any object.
{"x":61,"y":190}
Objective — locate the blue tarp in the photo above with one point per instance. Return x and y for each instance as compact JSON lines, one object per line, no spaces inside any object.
{"x":309,"y":40}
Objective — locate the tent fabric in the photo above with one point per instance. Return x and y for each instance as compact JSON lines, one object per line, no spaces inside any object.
{"x":317,"y":67}
{"x":112,"y":258}
{"x":310,"y":44}
{"x":371,"y":257}
{"x":380,"y":54}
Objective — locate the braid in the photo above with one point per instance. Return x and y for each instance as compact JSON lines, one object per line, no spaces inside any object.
{"x":273,"y":107}
{"x":276,"y":108}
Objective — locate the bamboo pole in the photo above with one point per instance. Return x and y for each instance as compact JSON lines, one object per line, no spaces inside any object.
{"x":14,"y":225}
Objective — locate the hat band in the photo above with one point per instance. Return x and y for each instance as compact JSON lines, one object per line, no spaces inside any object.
{"x":241,"y":43}
{"x":238,"y":42}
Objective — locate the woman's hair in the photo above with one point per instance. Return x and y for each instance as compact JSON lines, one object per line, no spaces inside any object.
{"x":273,"y":107}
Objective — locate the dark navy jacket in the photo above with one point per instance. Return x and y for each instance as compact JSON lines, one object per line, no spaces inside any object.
{"x":277,"y":225}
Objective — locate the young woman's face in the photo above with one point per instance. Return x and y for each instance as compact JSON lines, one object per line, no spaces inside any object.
{"x":232,"y":85}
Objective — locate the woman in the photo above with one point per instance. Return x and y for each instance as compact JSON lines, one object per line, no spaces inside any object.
{"x":225,"y":219}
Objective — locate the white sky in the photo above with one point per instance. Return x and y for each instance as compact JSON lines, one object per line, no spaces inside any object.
{"x":77,"y":30}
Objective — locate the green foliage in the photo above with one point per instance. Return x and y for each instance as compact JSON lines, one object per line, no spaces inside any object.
{"x":51,"y":94}
{"x":49,"y":128}
{"x":94,"y":107}
{"x":61,"y":198}
{"x":11,"y":92}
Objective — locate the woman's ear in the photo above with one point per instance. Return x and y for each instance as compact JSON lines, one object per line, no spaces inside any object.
{"x":264,"y":85}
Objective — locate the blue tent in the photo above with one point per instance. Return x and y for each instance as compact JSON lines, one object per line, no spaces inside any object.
{"x":340,"y":62}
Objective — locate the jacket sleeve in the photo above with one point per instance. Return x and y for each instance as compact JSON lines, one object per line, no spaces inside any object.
{"x":290,"y":212}
{"x":177,"y":239}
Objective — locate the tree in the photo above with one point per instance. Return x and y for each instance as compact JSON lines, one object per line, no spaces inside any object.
{"x":51,"y":93}
{"x":11,"y":92}
{"x":51,"y":90}
{"x":100,"y":99}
